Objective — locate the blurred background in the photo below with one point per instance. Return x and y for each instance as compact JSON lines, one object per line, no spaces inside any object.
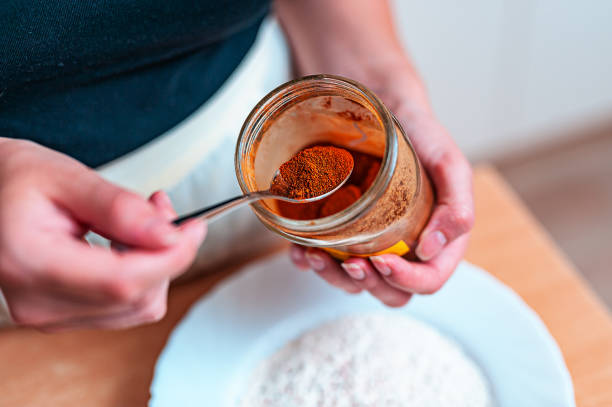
{"x":526,"y":85}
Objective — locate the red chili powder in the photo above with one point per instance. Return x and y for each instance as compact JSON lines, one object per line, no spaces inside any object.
{"x":313,"y":172}
{"x":365,"y":169}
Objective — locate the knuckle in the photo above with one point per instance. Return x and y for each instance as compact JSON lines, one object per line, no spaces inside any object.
{"x":396,"y":301}
{"x":343,"y":284}
{"x":446,"y":160}
{"x":328,"y":275}
{"x":432,"y":288}
{"x":334,"y":278}
{"x":187,"y":258}
{"x":49,"y":272}
{"x":122,"y":291}
{"x":335,"y":281}
{"x":154,"y":313}
{"x":180,"y":262}
{"x":121,"y":203}
{"x":393,"y":304}
{"x":352,"y":289}
{"x":369,"y":283}
{"x":441,"y":162}
{"x":463,"y":218}
{"x":183,"y":257}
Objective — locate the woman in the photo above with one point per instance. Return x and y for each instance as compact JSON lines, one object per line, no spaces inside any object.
{"x":108,"y":84}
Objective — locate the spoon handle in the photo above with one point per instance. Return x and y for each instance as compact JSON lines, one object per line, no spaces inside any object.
{"x":221,"y":208}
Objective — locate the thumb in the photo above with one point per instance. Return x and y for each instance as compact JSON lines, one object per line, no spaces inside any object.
{"x":116,"y":213}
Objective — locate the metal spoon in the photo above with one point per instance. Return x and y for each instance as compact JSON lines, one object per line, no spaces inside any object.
{"x":224,"y":207}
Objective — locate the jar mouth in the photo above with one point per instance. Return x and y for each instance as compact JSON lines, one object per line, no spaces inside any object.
{"x":278,"y":100}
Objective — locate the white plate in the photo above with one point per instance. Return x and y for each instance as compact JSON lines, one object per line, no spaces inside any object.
{"x":212,"y":351}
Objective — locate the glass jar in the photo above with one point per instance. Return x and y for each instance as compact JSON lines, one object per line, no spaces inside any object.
{"x":326,"y":109}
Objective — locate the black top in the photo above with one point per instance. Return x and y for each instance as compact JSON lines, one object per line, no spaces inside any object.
{"x":96,"y":79}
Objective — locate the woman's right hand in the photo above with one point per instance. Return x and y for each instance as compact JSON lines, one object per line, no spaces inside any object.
{"x":51,"y":277}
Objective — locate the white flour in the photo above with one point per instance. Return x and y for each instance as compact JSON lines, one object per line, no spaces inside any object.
{"x":371,"y":360}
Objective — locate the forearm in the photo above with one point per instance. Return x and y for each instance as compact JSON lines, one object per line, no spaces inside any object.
{"x":353,"y":38}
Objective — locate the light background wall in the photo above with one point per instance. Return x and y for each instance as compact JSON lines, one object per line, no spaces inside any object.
{"x":506,"y":74}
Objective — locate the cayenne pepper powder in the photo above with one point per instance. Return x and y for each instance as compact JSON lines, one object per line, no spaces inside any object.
{"x":365,"y":169}
{"x":313,"y":172}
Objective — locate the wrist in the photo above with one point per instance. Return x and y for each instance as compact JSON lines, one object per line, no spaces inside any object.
{"x":325,"y":38}
{"x":390,"y":75}
{"x":399,"y":86}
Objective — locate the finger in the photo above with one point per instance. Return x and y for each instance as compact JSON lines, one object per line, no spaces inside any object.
{"x":451,"y":175}
{"x":453,"y":215}
{"x":329,"y":270}
{"x":151,"y":310}
{"x":366,"y":277}
{"x":114,"y":212}
{"x":162,"y":203}
{"x":421,"y":278}
{"x":297,"y":254}
{"x":103,"y":275}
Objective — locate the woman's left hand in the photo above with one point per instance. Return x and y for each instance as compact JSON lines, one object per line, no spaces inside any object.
{"x":330,"y":41}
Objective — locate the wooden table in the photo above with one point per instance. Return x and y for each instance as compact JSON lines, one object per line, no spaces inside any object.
{"x":115,"y":368}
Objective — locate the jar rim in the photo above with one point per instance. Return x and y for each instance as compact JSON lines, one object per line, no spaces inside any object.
{"x":277,"y":99}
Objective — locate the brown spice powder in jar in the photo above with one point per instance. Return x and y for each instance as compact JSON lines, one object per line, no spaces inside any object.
{"x":312,"y":172}
{"x":342,"y":199}
{"x":365,"y":169}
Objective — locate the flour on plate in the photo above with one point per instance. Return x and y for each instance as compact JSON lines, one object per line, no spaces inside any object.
{"x":368,"y":360}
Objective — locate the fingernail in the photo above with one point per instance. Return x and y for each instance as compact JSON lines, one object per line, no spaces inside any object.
{"x":354,"y":270}
{"x":297,"y":256}
{"x":381,"y":265}
{"x":167,"y":233}
{"x":315,"y":261}
{"x":430,"y":245}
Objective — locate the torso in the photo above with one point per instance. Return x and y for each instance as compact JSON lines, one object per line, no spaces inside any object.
{"x":96,"y":79}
